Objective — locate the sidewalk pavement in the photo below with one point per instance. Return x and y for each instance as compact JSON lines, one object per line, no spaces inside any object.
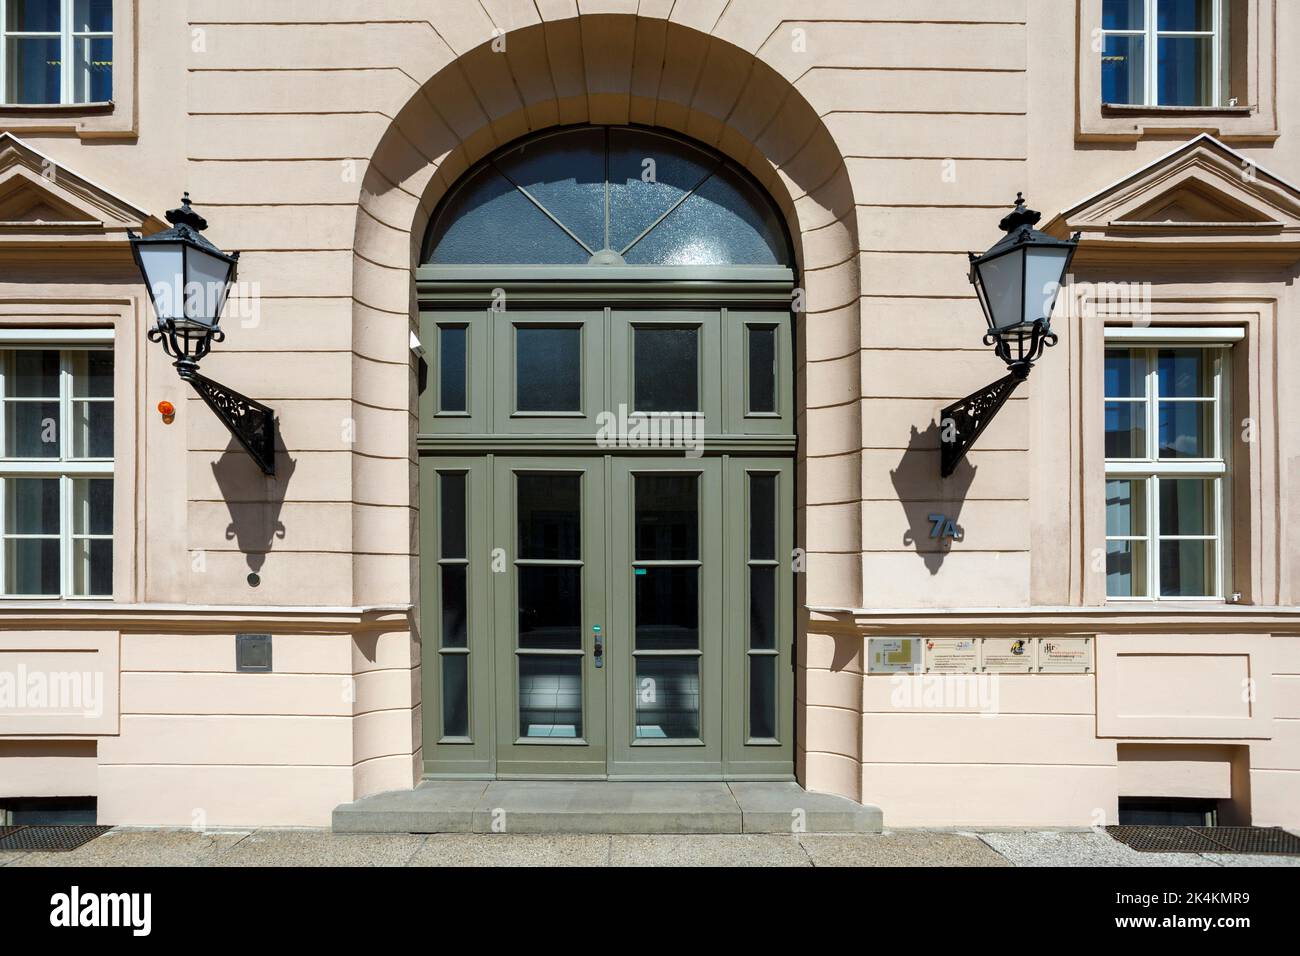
{"x":137,"y":847}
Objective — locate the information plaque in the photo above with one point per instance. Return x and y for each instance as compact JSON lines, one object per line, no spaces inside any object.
{"x":1008,"y":655}
{"x":893,"y":655}
{"x":952,"y":655}
{"x":1065,"y":655}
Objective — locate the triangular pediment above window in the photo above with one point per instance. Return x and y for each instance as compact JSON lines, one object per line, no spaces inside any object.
{"x":43,"y":202}
{"x":1203,"y":201}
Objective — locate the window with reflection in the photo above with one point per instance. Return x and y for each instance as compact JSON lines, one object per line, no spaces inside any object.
{"x":56,"y":472}
{"x":1166,"y":467}
{"x":607,"y":195}
{"x":1169,"y":52}
{"x":56,"y":51}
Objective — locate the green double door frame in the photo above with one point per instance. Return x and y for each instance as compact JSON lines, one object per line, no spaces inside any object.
{"x":480,"y":660}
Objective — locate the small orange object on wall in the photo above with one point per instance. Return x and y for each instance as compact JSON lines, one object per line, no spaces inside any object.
{"x":168,"y":412}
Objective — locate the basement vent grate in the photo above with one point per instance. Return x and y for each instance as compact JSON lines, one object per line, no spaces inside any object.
{"x":1173,"y":839}
{"x":29,"y":839}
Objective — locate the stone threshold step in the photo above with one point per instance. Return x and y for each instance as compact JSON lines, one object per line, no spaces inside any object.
{"x":548,"y":806}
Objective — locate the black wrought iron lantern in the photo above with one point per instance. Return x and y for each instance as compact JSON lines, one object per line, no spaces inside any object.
{"x":1017,"y":283}
{"x":189,"y":280}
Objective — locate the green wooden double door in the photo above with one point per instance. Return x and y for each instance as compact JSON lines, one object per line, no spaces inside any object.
{"x":610,"y":616}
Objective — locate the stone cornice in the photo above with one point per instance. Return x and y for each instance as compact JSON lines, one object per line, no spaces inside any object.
{"x":198,"y":618}
{"x":1112,"y":618}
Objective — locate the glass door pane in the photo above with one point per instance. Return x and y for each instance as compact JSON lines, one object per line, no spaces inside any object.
{"x":548,"y":577}
{"x":666,"y":596}
{"x":666,"y":580}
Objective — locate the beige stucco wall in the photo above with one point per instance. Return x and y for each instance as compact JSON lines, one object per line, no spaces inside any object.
{"x":319,"y":136}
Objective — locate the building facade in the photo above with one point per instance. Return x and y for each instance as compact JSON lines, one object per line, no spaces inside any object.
{"x":609,"y":342}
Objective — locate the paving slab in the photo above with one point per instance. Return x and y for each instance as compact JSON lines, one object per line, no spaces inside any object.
{"x":722,"y":849}
{"x":606,"y":807}
{"x":320,"y":848}
{"x":140,"y":848}
{"x":1087,"y":848}
{"x":899,"y":848}
{"x":443,"y":806}
{"x":789,"y":808}
{"x":496,"y":849}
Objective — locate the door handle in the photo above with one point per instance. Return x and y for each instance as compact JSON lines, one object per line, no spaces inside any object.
{"x":598,"y":650}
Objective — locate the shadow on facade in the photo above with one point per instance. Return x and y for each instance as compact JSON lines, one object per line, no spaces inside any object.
{"x":927,"y":498}
{"x":254,"y":500}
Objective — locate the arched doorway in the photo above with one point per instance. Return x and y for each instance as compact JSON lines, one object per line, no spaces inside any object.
{"x":607,"y":442}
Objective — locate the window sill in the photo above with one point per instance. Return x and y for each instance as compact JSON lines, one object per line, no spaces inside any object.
{"x":1167,"y":604}
{"x":1231,"y":124}
{"x":114,"y":119}
{"x":1141,"y":109}
{"x":59,"y":109}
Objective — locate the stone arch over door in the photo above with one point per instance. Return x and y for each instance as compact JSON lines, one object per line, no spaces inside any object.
{"x":625,"y":69}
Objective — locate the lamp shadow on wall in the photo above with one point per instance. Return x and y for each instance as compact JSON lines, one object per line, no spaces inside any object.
{"x":254,"y":500}
{"x":928,"y":498}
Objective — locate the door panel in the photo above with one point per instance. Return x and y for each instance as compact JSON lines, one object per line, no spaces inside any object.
{"x":666,"y":362}
{"x":456,"y":628}
{"x":549,"y":591}
{"x":666,"y":623}
{"x":548,"y":370}
{"x":760,"y":601}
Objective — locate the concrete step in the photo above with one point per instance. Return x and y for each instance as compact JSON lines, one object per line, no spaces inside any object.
{"x":546,"y":806}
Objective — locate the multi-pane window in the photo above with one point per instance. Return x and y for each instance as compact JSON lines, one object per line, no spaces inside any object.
{"x":56,"y":51}
{"x":56,"y":471}
{"x":1165,"y":52}
{"x":1166,"y":469}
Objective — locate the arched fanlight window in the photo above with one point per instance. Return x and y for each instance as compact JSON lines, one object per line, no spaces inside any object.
{"x":606,"y":195}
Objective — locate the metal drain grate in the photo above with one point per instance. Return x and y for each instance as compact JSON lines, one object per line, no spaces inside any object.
{"x":1163,"y":839}
{"x":29,"y":839}
{"x":1273,"y":840}
{"x":1173,"y":839}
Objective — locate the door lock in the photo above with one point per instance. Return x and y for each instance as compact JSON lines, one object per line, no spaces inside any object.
{"x":598,"y":651}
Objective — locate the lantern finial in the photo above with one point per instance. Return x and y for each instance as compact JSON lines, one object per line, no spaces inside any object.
{"x":185,"y":216}
{"x":1021,"y":216}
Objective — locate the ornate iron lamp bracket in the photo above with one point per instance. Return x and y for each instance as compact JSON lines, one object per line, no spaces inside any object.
{"x":252,"y":423}
{"x":963,"y":421}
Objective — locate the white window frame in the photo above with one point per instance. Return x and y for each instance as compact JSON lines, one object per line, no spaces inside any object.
{"x":65,"y":468}
{"x":68,"y":39}
{"x":1151,"y":468}
{"x":1152,"y":35}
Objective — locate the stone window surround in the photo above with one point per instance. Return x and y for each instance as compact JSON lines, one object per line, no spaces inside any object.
{"x":1255,"y":121}
{"x":1251,"y":564}
{"x":59,"y":312}
{"x":115,"y":119}
{"x":1219,"y":344}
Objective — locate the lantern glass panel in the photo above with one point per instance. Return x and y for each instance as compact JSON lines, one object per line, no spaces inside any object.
{"x":206,"y":282}
{"x":1003,"y":281}
{"x":164,"y":270}
{"x":1044,"y":268}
